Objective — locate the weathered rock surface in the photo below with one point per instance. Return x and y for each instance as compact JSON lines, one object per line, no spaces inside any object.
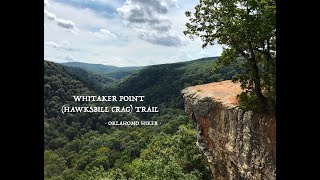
{"x":237,"y":144}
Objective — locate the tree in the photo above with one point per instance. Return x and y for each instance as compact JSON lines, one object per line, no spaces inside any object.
{"x":248,"y":29}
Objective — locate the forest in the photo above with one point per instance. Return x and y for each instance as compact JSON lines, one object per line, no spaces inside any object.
{"x":83,"y":146}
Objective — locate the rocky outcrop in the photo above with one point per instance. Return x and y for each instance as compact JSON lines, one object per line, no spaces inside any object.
{"x":237,"y":144}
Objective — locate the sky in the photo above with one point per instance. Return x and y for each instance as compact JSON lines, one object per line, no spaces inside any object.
{"x":120,"y":32}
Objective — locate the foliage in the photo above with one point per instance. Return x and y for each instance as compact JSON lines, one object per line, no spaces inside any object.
{"x":247,"y":28}
{"x":174,"y":154}
{"x":94,"y":81}
{"x":82,"y":146}
{"x":162,"y":84}
{"x":111,"y":71}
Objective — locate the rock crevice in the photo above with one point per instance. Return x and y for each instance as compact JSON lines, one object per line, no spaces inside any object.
{"x":237,"y":144}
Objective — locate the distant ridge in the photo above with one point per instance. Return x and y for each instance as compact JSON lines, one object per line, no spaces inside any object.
{"x":106,"y":69}
{"x":100,"y":67}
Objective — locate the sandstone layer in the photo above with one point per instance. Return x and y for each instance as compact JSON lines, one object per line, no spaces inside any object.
{"x":237,"y":144}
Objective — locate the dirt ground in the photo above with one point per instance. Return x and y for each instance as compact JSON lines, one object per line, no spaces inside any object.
{"x":224,"y":91}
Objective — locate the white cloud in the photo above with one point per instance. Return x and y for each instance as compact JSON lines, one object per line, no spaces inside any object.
{"x":67,"y":24}
{"x":149,"y":19}
{"x":49,"y":15}
{"x":83,"y":18}
{"x":104,"y":34}
{"x":69,"y":58}
{"x":61,"y":58}
{"x":63,"y":45}
{"x":52,"y":44}
{"x":46,"y":3}
{"x":106,"y":40}
{"x":169,"y":3}
{"x":63,"y":23}
{"x":166,"y":39}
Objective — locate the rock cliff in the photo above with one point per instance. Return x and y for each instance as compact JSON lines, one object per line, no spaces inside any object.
{"x":237,"y":144}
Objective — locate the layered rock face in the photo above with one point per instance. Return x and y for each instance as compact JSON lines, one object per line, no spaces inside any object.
{"x":237,"y":144}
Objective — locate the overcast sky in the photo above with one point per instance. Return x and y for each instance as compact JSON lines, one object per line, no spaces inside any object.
{"x":119,"y":32}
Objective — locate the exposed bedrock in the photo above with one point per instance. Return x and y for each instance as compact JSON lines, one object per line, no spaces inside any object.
{"x":237,"y":144}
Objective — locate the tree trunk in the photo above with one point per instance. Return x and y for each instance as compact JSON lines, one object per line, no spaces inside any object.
{"x":256,"y":78}
{"x":268,"y":63}
{"x":257,"y":82}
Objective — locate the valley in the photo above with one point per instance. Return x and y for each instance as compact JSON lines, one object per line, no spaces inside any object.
{"x":83,"y":145}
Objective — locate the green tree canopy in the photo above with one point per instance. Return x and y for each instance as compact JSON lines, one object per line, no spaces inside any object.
{"x":248,"y":30}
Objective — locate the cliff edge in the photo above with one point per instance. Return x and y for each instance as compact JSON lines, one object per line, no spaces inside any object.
{"x":237,"y":144}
